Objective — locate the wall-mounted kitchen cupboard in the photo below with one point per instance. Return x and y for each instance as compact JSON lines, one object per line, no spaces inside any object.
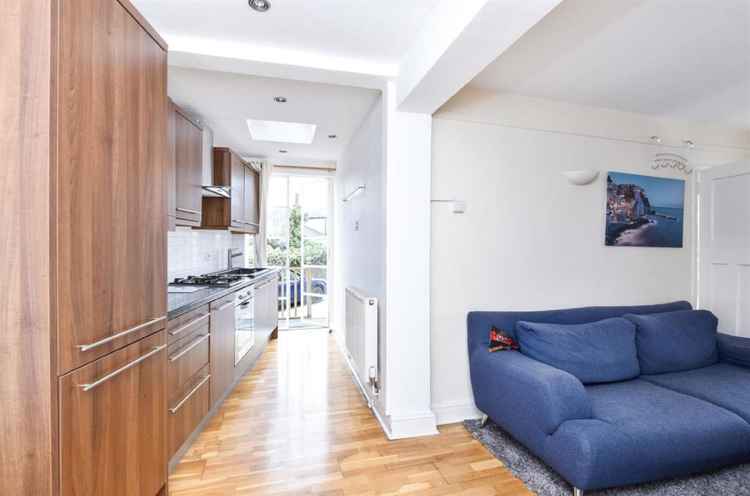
{"x":83,"y":100}
{"x":188,"y":167}
{"x":240,"y":213}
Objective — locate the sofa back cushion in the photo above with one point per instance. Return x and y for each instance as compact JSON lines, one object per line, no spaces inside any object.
{"x":479,"y":323}
{"x":676,"y":341}
{"x":595,"y":352}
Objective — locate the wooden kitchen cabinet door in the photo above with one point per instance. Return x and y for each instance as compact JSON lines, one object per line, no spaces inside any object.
{"x":238,"y":193}
{"x":189,"y":168}
{"x":252,"y":200}
{"x":110,"y":208}
{"x":113,"y":435}
{"x":171,"y":167}
{"x":222,"y":347}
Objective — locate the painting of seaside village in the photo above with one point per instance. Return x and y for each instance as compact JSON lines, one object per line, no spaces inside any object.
{"x":644,"y":211}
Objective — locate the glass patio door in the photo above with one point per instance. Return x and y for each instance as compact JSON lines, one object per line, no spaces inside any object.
{"x":298,"y":243}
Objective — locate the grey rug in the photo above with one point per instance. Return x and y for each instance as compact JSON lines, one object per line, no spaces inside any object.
{"x":732,"y":481}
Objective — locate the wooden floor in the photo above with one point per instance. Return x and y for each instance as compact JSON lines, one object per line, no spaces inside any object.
{"x":298,"y":425}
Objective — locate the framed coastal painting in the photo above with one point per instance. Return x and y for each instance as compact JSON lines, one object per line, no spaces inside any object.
{"x":644,"y":211}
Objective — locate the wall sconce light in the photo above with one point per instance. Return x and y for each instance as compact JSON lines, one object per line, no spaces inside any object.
{"x":358,"y":191}
{"x":581,"y":177}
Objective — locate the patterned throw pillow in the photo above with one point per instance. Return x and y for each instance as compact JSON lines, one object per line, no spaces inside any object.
{"x":500,"y":341}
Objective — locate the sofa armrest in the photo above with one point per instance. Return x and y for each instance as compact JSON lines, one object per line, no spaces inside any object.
{"x":734,"y":350}
{"x":520,"y":393}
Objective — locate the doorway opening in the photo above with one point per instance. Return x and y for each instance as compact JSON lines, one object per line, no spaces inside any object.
{"x":298,"y":243}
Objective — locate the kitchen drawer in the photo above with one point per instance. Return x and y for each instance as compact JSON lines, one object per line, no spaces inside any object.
{"x":188,"y":410}
{"x":222,"y":303}
{"x":185,"y":359}
{"x":112,"y":423}
{"x":186,"y":324}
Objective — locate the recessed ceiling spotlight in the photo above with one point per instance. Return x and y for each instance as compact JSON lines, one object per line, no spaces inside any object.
{"x":280,"y":99}
{"x":282,"y":151}
{"x":332,"y":136}
{"x":655,"y":139}
{"x":689,"y":143}
{"x":260,"y":5}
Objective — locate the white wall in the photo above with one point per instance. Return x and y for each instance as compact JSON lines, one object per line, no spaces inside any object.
{"x":360,"y":253}
{"x":530,"y":240}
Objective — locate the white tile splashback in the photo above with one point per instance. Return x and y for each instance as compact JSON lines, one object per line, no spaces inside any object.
{"x":194,"y":252}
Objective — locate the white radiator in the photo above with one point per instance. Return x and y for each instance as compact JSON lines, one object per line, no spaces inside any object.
{"x":362,"y":336}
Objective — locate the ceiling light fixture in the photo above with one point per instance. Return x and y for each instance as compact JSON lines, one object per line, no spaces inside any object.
{"x":282,"y":151}
{"x":280,"y":99}
{"x":689,"y":143}
{"x":260,"y":5}
{"x":332,"y":136}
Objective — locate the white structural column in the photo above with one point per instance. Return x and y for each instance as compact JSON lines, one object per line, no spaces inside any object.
{"x":456,"y":43}
{"x":408,"y":162}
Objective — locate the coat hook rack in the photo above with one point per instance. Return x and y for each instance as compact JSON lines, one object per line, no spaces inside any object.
{"x":357,"y":191}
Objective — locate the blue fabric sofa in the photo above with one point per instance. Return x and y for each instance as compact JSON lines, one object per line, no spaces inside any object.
{"x":598,"y":436}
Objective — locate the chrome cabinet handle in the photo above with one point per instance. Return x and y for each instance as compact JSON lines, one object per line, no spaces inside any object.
{"x":237,"y":221}
{"x":252,"y":224}
{"x":87,"y":347}
{"x":189,"y":347}
{"x":187,"y":210}
{"x":225,"y":306}
{"x":189,"y":395}
{"x":99,"y":382}
{"x":188,"y":325}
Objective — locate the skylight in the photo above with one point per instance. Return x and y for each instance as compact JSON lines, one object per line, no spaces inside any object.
{"x":282,"y":132}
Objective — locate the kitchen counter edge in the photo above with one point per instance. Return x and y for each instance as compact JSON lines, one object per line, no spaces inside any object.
{"x":182,"y":303}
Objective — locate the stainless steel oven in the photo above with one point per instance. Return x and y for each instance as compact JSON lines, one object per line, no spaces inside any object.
{"x":244,"y":320}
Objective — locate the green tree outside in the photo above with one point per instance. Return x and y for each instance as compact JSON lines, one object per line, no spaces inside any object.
{"x":315,"y":251}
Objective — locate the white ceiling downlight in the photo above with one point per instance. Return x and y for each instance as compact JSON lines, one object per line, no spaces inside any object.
{"x":279,"y":99}
{"x":282,"y":132}
{"x":260,"y":5}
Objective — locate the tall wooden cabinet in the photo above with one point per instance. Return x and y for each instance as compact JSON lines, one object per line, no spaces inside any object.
{"x":111,"y":183}
{"x":84,"y":103}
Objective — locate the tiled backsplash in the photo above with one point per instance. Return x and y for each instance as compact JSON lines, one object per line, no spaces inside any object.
{"x":194,"y":252}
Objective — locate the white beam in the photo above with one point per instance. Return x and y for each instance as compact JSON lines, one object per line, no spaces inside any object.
{"x":241,"y":58}
{"x":458,"y":41}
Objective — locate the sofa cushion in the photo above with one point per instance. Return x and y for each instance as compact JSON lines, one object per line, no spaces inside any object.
{"x":643,"y":432}
{"x":722,"y":384}
{"x":597,"y":352}
{"x":676,"y":341}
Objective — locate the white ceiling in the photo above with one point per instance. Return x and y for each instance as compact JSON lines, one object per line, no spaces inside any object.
{"x":676,"y":58}
{"x":348,"y":29}
{"x":225,"y":101}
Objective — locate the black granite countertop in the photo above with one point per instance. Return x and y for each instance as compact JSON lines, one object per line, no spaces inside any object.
{"x":180,"y":303}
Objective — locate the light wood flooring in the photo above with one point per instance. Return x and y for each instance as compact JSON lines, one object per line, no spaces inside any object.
{"x":297,"y":425}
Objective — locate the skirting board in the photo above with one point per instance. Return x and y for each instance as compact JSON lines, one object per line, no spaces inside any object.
{"x":394,"y":427}
{"x":413,"y":425}
{"x":456,"y":411}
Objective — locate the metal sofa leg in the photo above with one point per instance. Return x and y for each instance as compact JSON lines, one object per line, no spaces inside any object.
{"x":577,"y":492}
{"x":484,"y":421}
